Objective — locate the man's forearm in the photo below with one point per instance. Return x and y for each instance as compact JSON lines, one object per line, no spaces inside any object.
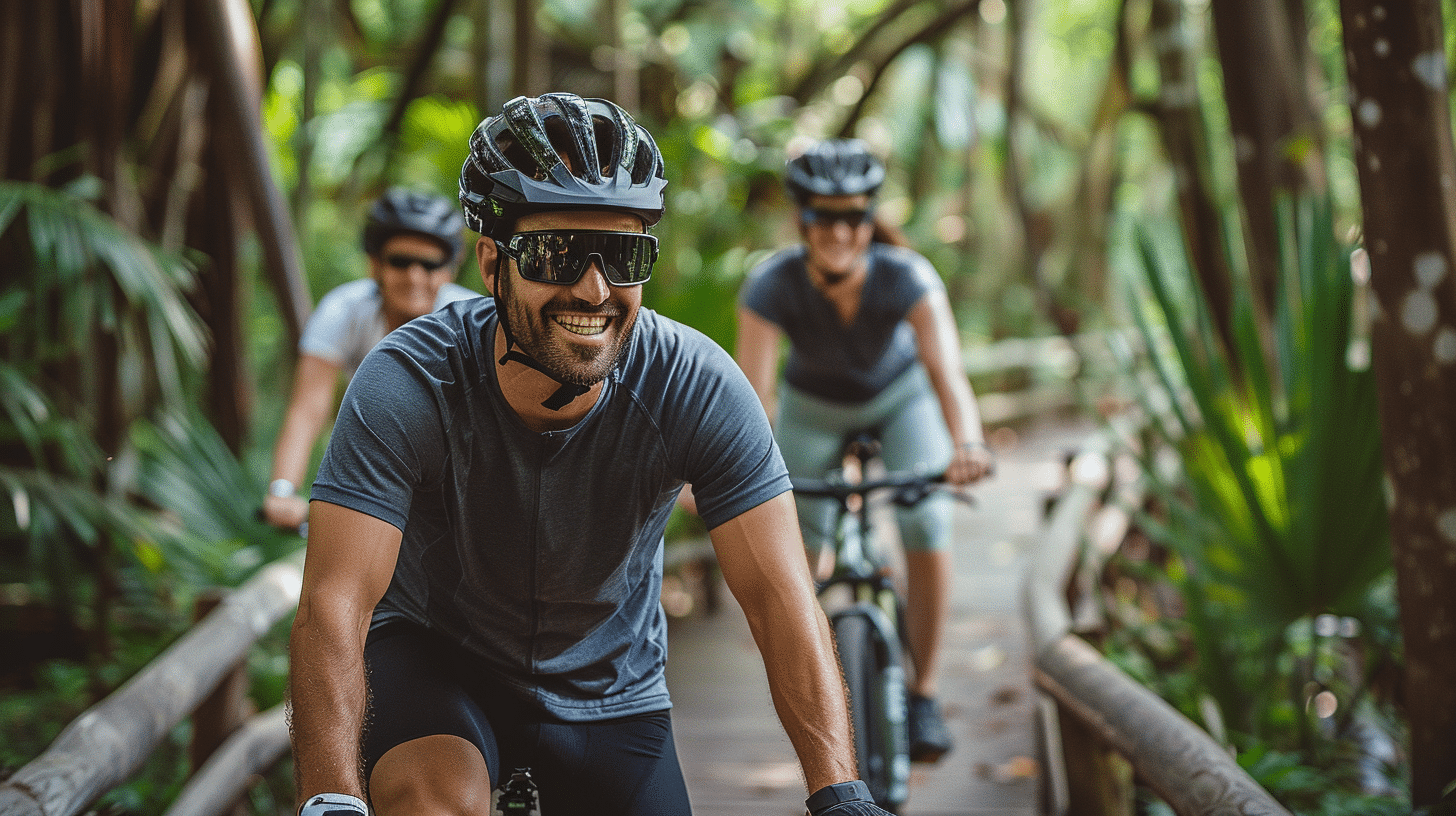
{"x":327,"y":707}
{"x":762,"y":558}
{"x":809,"y":698}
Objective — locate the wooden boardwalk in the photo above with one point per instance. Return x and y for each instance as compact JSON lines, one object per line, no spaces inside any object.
{"x":738,"y":760}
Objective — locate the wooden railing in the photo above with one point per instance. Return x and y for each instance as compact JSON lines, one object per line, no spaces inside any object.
{"x":1100,"y":728}
{"x":1027,"y":377}
{"x":111,"y":741}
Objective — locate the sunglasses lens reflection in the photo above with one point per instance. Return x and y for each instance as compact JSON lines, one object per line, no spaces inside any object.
{"x":562,"y":256}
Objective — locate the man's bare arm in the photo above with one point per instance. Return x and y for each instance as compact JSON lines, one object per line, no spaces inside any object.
{"x":762,"y":557}
{"x":349,"y":564}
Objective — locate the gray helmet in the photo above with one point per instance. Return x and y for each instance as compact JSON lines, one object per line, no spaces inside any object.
{"x":834,"y":167}
{"x":559,"y":152}
{"x":400,"y":210}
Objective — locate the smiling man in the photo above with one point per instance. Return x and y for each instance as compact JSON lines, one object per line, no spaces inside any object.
{"x":484,"y":564}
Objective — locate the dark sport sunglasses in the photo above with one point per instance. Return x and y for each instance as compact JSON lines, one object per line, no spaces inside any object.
{"x":404,"y":262}
{"x":828,"y":218}
{"x":561,"y":256}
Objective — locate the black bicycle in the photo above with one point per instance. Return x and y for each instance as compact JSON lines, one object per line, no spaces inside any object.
{"x":868,"y":625}
{"x":517,"y":795}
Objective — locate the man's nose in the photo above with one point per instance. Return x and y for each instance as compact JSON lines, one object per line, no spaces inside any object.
{"x":593,"y":286}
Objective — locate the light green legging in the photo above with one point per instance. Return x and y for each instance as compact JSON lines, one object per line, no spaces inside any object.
{"x":907,"y":419}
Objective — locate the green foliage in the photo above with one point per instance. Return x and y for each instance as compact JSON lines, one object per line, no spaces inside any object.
{"x":1310,"y":791}
{"x":1273,"y":509}
{"x":87,"y":299}
{"x":1277,"y":508}
{"x":114,"y":537}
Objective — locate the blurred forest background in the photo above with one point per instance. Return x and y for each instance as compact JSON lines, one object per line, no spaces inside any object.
{"x":183,"y":180}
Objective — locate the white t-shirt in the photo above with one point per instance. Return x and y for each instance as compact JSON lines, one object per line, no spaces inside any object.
{"x":349,"y":321}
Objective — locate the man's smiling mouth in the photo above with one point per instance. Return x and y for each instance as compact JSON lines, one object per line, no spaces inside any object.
{"x":586,"y":325}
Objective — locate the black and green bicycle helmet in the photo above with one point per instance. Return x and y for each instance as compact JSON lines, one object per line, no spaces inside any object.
{"x":559,"y":152}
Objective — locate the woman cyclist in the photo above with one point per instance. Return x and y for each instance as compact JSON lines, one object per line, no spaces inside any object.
{"x":413,"y":241}
{"x":872,"y":347}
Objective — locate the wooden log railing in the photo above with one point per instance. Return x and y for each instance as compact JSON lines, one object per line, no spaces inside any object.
{"x":111,"y":741}
{"x":1100,"y":728}
{"x":1053,"y":373}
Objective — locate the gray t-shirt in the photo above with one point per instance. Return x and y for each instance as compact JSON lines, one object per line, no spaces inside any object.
{"x":349,"y":320}
{"x":832,"y":360}
{"x":541,"y":553}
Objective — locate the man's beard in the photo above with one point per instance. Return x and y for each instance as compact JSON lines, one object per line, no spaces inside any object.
{"x":567,"y":362}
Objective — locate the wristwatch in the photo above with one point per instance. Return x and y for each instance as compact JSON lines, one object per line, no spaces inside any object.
{"x":333,"y":804}
{"x":831,"y":795}
{"x":282,"y":488}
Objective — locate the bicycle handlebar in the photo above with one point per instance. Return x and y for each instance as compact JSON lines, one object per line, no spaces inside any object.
{"x":838,"y":489}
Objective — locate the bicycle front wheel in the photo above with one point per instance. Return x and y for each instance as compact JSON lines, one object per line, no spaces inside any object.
{"x":869,"y":655}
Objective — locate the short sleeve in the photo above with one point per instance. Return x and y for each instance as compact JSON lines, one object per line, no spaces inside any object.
{"x":920,"y":279}
{"x":763,"y":291}
{"x":732,"y":462}
{"x":388,"y":438}
{"x":346,"y":324}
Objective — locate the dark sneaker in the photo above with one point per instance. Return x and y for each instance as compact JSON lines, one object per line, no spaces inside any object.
{"x":929,"y":739}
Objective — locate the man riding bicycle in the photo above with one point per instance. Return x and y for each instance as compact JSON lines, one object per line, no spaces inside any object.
{"x":485,"y":550}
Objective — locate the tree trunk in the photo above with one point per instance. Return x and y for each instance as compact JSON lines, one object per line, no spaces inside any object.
{"x":1036,"y":226}
{"x":1407,"y":167}
{"x":1179,"y":114}
{"x":530,"y":59}
{"x":1276,"y":135}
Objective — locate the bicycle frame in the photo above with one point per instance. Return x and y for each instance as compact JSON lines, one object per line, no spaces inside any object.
{"x":869,"y":630}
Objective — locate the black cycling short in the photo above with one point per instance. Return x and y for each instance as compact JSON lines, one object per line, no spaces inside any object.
{"x":421,"y":685}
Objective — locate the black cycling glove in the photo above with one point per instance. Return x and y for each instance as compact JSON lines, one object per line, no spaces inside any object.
{"x":844,"y":799}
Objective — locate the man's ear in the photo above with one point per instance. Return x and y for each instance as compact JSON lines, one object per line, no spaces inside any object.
{"x":485,"y":255}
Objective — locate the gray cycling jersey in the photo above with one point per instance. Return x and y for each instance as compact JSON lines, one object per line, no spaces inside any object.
{"x":828,"y":358}
{"x":349,"y":320}
{"x":542,"y":552}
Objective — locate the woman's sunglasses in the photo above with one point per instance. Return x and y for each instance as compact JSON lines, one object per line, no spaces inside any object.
{"x":828,"y":218}
{"x":561,"y":256}
{"x":404,"y":262}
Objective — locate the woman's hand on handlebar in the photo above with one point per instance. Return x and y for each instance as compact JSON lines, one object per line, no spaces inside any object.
{"x":971,"y":462}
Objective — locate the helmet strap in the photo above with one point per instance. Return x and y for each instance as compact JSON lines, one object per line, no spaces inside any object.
{"x":567,"y":391}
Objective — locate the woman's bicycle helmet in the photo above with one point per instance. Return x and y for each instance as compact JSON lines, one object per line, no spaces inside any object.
{"x":400,"y":210}
{"x":834,"y":167}
{"x":559,"y":152}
